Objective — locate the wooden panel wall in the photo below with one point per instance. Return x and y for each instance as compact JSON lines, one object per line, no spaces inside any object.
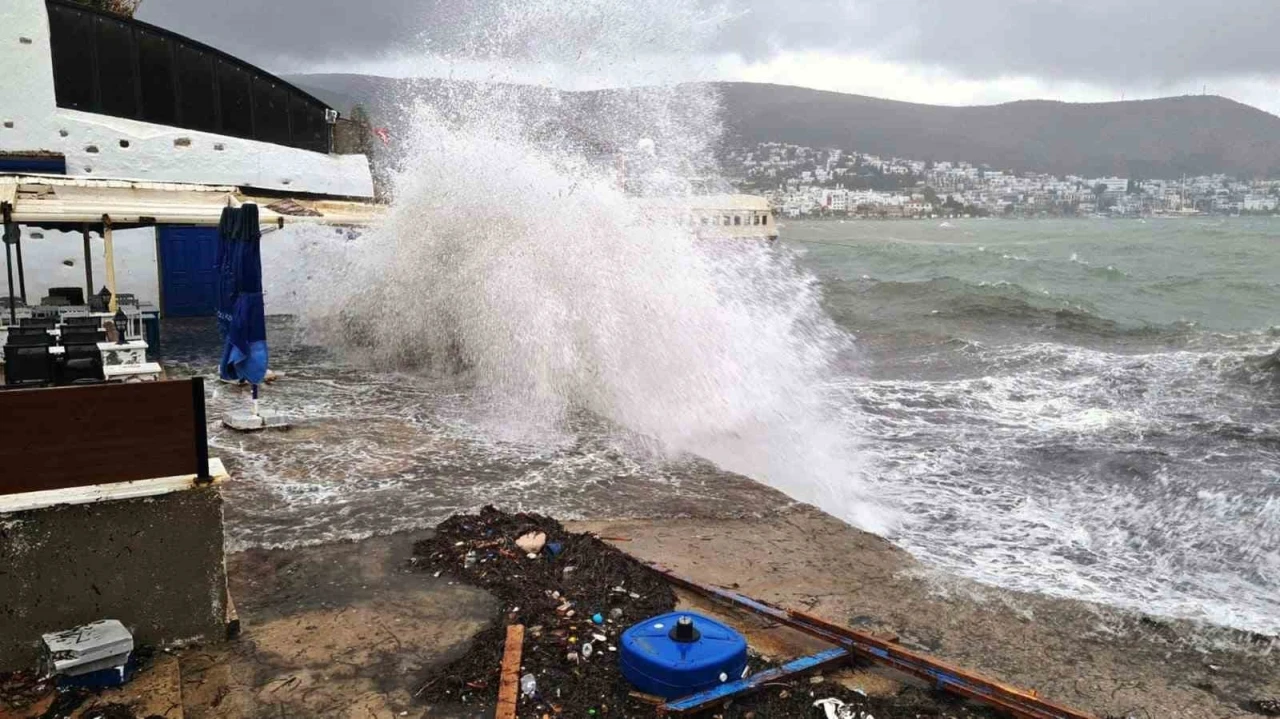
{"x":99,"y":434}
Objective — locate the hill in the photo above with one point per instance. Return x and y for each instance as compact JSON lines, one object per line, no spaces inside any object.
{"x":1167,"y":137}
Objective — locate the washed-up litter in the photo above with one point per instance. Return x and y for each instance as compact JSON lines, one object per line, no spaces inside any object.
{"x":682,"y":653}
{"x":532,"y":543}
{"x":835,"y":709}
{"x":74,"y":666}
{"x":109,"y":711}
{"x":91,"y":656}
{"x":1267,"y":707}
{"x":559,"y":608}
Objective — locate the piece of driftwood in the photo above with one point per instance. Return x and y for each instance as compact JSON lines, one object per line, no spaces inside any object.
{"x":509,"y":683}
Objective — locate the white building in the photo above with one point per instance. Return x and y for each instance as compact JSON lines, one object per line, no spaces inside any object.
{"x":71,"y":97}
{"x":88,"y":94}
{"x":1258,"y":203}
{"x":1115,"y":186}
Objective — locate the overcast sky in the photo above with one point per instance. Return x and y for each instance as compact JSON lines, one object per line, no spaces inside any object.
{"x":935,"y":51}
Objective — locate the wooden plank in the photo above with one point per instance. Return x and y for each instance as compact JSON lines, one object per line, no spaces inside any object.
{"x":96,"y":434}
{"x":509,"y":683}
{"x":115,"y":491}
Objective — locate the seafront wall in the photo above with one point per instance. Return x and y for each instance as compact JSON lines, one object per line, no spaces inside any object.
{"x":155,"y":564}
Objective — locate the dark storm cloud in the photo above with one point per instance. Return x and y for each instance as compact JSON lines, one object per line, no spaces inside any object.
{"x":1090,"y":40}
{"x":1087,"y":40}
{"x":295,"y":33}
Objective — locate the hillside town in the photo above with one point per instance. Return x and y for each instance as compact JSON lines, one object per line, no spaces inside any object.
{"x":810,"y":182}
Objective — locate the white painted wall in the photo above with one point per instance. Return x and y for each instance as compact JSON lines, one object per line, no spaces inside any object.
{"x":287,"y":255}
{"x":30,"y":120}
{"x":44,"y":253}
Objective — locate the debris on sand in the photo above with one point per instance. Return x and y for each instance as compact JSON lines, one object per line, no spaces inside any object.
{"x":575,"y":597}
{"x":532,"y":543}
{"x":554,"y":595}
{"x":31,"y":694}
{"x":1267,"y":707}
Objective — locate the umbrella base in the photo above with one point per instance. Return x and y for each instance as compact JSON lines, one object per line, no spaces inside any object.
{"x":247,"y":421}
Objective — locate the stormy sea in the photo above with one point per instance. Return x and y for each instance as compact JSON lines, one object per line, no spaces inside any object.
{"x":1077,"y":408}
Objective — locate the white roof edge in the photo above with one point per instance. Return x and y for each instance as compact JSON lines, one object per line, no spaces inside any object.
{"x":110,"y":182}
{"x":147,"y":202}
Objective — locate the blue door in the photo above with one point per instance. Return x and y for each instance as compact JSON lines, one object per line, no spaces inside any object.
{"x":189,"y":271}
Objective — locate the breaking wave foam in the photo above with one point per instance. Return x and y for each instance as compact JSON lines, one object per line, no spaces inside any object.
{"x":1087,"y":474}
{"x":513,"y":259}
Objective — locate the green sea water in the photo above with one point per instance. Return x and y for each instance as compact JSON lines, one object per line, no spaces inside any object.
{"x":1077,"y":407}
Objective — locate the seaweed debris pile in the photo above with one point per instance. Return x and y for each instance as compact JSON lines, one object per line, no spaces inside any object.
{"x":575,"y":594}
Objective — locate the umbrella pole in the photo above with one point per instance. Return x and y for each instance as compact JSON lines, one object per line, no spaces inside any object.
{"x":8,"y":259}
{"x":22,"y":275}
{"x":88,"y":262}
{"x":111,"y":263}
{"x":8,"y":263}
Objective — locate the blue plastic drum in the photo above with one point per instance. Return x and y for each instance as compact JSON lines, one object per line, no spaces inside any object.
{"x":681,"y":653}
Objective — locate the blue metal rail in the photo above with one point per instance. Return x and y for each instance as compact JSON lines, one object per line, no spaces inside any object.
{"x":702,"y":700}
{"x":1021,"y":703}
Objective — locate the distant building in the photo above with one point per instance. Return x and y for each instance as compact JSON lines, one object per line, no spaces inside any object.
{"x":1115,"y":186}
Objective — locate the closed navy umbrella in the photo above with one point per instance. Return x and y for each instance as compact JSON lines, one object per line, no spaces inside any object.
{"x":241,"y":317}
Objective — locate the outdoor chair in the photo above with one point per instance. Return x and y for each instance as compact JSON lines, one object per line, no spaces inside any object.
{"x":72,"y":295}
{"x":29,"y":337}
{"x":83,"y":335}
{"x":82,"y":321}
{"x":81,"y":364}
{"x":28,"y":366}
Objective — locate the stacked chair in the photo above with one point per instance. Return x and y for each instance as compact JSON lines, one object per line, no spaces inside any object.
{"x":67,"y":295}
{"x":30,"y":363}
{"x":81,"y":360}
{"x":27,"y":361}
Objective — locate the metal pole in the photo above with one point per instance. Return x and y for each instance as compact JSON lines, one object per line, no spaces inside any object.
{"x":111,"y":263}
{"x":201,"y":431}
{"x":88,"y":263}
{"x":723,"y":692}
{"x":22,"y":276}
{"x":8,"y":262}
